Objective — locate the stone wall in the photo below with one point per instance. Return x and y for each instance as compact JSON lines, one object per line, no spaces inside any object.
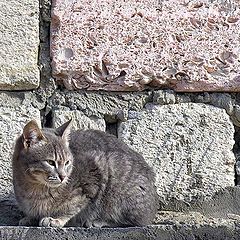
{"x":192,"y":140}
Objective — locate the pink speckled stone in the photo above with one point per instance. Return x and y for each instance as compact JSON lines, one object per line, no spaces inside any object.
{"x":131,"y":45}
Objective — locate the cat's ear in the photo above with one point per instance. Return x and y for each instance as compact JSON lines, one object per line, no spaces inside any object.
{"x":65,"y":130}
{"x":32,"y":134}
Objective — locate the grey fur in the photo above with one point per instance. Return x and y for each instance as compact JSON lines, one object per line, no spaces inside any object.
{"x":104,"y":182}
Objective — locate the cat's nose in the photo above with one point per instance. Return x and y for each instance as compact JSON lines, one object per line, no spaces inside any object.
{"x":62,"y":177}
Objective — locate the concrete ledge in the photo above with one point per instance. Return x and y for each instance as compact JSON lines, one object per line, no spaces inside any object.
{"x":160,"y":232}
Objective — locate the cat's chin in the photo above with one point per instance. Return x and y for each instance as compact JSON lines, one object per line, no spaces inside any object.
{"x":54,"y":185}
{"x":49,"y":184}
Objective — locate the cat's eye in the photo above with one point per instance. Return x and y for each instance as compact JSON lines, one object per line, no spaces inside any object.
{"x":67,"y":162}
{"x":51,"y":162}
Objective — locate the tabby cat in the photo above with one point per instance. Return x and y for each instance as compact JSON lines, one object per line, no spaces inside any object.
{"x":80,"y":178}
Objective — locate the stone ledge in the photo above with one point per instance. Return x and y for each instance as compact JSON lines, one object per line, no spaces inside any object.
{"x":160,"y":232}
{"x":216,"y":219}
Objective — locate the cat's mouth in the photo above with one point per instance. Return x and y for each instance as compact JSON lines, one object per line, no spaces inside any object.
{"x":49,"y":180}
{"x":55,"y":181}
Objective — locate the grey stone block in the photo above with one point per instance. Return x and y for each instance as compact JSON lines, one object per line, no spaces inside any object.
{"x":90,"y":103}
{"x":101,"y":103}
{"x":189,"y":145}
{"x":20,"y":98}
{"x":80,"y":121}
{"x":163,"y":97}
{"x":19,"y":39}
{"x":12,"y":121}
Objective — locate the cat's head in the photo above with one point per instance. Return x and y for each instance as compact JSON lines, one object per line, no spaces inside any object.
{"x":45,"y":156}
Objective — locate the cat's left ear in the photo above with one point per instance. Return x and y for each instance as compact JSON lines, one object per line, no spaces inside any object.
{"x":65,"y":130}
{"x":32,"y":134}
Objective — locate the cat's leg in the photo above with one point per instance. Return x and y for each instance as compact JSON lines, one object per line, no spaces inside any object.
{"x":96,"y":224}
{"x":100,"y":224}
{"x":27,"y":221}
{"x":69,"y":210}
{"x":62,"y":219}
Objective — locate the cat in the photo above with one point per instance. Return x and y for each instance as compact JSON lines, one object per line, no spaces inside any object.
{"x":85,"y":178}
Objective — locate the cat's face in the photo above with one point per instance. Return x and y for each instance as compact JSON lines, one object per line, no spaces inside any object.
{"x":46,"y":157}
{"x":50,"y":165}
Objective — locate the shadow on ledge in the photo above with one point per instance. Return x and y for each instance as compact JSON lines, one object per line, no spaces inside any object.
{"x":9,"y":213}
{"x":223,"y":203}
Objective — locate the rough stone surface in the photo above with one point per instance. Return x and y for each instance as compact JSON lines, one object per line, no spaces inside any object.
{"x":134,"y":45}
{"x":20,"y":98}
{"x":206,"y":230}
{"x":222,"y":208}
{"x":189,"y":145}
{"x":19,"y":38}
{"x":47,"y":83}
{"x":12,"y":121}
{"x":221,"y":100}
{"x":117,"y":104}
{"x":196,"y":29}
{"x":109,"y":105}
{"x":79,"y":120}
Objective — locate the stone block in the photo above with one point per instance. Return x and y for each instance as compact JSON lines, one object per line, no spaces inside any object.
{"x":19,"y":38}
{"x":189,"y":145}
{"x":90,"y":103}
{"x":12,"y":121}
{"x":136,"y":45}
{"x":80,"y":121}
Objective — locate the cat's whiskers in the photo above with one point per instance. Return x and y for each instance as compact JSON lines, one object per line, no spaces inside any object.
{"x":73,"y":167}
{"x":68,"y":180}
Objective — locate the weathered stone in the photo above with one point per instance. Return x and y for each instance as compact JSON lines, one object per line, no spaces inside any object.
{"x":203,"y":229}
{"x":135,"y":45}
{"x":19,"y":44}
{"x":117,"y":105}
{"x":189,"y":145}
{"x":97,"y":104}
{"x":79,"y":120}
{"x":222,"y":100}
{"x":18,"y":98}
{"x":223,"y":208}
{"x":236,"y":115}
{"x":12,"y":121}
{"x":164,"y":97}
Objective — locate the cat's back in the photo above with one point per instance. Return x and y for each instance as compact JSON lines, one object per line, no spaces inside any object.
{"x":87,"y":140}
{"x":103,"y":148}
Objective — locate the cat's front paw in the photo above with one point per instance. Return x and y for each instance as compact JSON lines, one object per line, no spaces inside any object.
{"x":50,"y":222}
